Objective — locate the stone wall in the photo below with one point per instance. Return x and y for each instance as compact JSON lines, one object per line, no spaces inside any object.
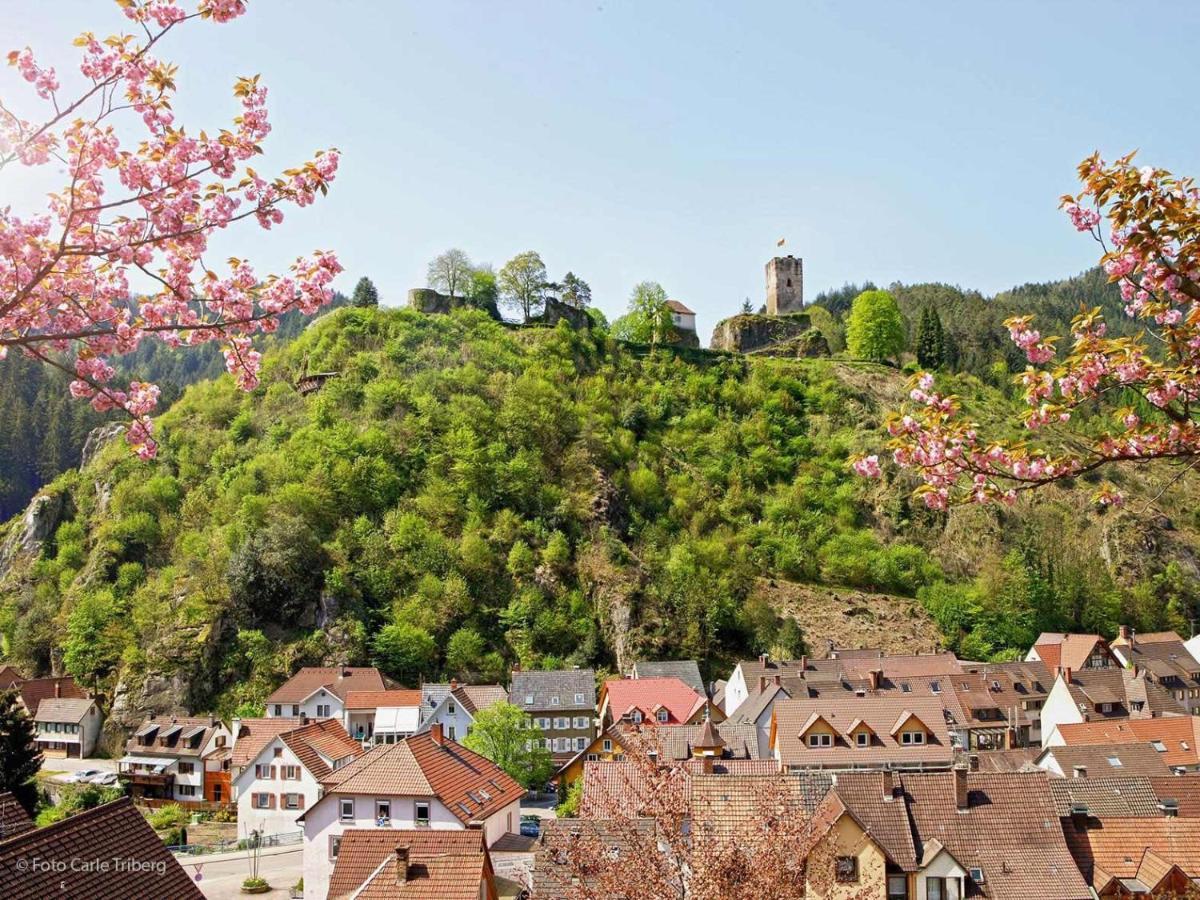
{"x":556,"y":311}
{"x":791,"y":335}
{"x":427,"y":300}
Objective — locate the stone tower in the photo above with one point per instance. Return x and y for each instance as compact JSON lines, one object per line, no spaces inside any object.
{"x":785,"y":285}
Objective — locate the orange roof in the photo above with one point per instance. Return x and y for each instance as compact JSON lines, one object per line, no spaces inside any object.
{"x":676,"y":306}
{"x":1068,"y":650}
{"x":1115,"y":847}
{"x":338,"y":680}
{"x":442,"y":865}
{"x":623,"y":695}
{"x":1179,"y":736}
{"x":386,"y":699}
{"x":253,"y":735}
{"x":317,"y":741}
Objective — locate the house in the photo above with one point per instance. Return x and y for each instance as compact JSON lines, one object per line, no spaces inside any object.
{"x":408,"y":864}
{"x":33,"y":691}
{"x":901,"y":732}
{"x":67,"y":727}
{"x":10,"y":677}
{"x":108,"y":852}
{"x":682,"y":318}
{"x":382,"y":717}
{"x":851,"y":855}
{"x":561,"y":703}
{"x":167,"y":758}
{"x":1018,"y":690}
{"x":423,"y":782}
{"x":1165,"y":659}
{"x":14,"y":819}
{"x":686,"y":670}
{"x":758,"y":711}
{"x":457,"y":709}
{"x":1099,"y":760}
{"x":1175,"y":738}
{"x":554,"y":878}
{"x":1072,"y":651}
{"x":655,"y":701}
{"x":724,"y":741}
{"x":747,"y":677}
{"x":284,"y":777}
{"x":319,"y":692}
{"x":1103,"y":693}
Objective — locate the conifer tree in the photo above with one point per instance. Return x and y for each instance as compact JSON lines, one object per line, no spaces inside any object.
{"x":20,"y":758}
{"x":365,"y":294}
{"x":931,"y":341}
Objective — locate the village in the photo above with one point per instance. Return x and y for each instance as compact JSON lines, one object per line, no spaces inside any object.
{"x":1072,"y":773}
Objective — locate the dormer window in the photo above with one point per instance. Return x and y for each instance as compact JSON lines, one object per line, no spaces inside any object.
{"x":579,"y":699}
{"x":935,"y":686}
{"x":906,"y":688}
{"x":862,"y":739}
{"x":820,"y":740}
{"x":662,"y":715}
{"x":912,"y":737}
{"x":636,"y":717}
{"x":529,"y":699}
{"x":554,"y":700}
{"x":1105,"y":707}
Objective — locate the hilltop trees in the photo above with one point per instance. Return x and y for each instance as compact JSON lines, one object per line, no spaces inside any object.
{"x":20,"y":758}
{"x":648,"y":320}
{"x":931,"y":341}
{"x":875,"y":329}
{"x":365,"y":296}
{"x":522,"y":283}
{"x":1139,"y":400}
{"x":450,"y":273}
{"x":177,"y":189}
{"x":574,"y":291}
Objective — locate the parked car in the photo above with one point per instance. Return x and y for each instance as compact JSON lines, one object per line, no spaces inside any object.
{"x":105,"y":778}
{"x":82,"y":776}
{"x":531,"y":826}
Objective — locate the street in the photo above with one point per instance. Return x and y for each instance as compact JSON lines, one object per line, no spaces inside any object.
{"x":221,"y":876}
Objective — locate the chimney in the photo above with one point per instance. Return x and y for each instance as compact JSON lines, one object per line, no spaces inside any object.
{"x":304,"y":718}
{"x":888,"y":785}
{"x":763,"y":658}
{"x":776,"y":678}
{"x":401,"y":865}
{"x":960,"y":787}
{"x":516,"y":667}
{"x":454,"y":684}
{"x":1079,"y":771}
{"x":1123,"y":633}
{"x":57,"y":688}
{"x":435,"y":733}
{"x":873,"y":679}
{"x":973,"y":762}
{"x":706,"y":765}
{"x":762,"y":683}
{"x":803,"y":664}
{"x":343,"y":673}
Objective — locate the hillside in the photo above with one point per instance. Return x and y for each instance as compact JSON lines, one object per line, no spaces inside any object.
{"x":465,"y":495}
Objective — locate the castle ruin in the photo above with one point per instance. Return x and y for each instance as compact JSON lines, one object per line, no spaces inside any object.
{"x":785,"y":285}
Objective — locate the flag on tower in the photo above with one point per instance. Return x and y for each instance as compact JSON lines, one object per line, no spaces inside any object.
{"x":779,"y":243}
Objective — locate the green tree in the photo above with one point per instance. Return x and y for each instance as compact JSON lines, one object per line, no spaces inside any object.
{"x":931,"y":341}
{"x":277,"y":573}
{"x":92,"y":647}
{"x":20,"y":758}
{"x":875,"y":329}
{"x":522,"y":283}
{"x":504,"y":735}
{"x":465,"y":653}
{"x":482,"y":289}
{"x":450,"y":272}
{"x":649,"y":319}
{"x":404,"y":651}
{"x":365,"y":296}
{"x":575,"y":291}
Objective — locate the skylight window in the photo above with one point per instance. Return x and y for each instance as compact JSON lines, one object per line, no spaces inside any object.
{"x":1115,"y":762}
{"x":1159,"y":746}
{"x":906,"y":688}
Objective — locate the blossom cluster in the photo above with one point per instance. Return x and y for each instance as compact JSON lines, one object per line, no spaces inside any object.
{"x":144,"y":209}
{"x":1148,"y":394}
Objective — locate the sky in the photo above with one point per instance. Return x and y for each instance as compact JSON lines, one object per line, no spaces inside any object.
{"x":679,"y":141}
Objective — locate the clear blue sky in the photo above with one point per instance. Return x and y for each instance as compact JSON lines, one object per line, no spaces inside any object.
{"x":678,"y":141}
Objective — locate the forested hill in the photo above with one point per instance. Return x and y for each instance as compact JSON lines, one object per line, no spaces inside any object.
{"x":464,"y":495}
{"x":44,"y":429}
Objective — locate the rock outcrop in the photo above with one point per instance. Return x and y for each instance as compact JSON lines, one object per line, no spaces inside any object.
{"x":429,"y":301}
{"x":37,"y":523}
{"x":556,"y":311}
{"x":791,"y":335}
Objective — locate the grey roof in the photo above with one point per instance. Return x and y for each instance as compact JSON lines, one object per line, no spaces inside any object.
{"x":432,"y":695}
{"x":749,"y":711}
{"x":555,"y":689}
{"x":62,"y":709}
{"x":1120,"y":796}
{"x":686,"y":670}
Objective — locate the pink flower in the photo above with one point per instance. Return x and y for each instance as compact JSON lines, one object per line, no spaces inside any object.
{"x":867,"y":466}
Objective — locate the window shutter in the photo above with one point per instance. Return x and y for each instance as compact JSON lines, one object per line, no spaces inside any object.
{"x":299,"y":801}
{"x":270,"y":801}
{"x":272,"y":770}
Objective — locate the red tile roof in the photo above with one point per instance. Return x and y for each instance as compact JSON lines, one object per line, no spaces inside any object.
{"x":253,"y":735}
{"x":338,"y":680}
{"x":1070,"y":651}
{"x":1178,"y":735}
{"x":1114,"y":847}
{"x":323,"y":738}
{"x":442,"y":865}
{"x":111,"y":832}
{"x":13,"y":818}
{"x":35,"y":690}
{"x":387,"y":699}
{"x":623,"y":695}
{"x":676,"y":306}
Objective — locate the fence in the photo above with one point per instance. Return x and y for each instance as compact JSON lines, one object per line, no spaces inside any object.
{"x":283,"y":839}
{"x":190,"y":806}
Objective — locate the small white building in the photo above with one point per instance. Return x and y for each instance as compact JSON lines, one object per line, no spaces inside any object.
{"x":681,"y":317}
{"x":165,"y":758}
{"x":422,"y":782}
{"x":284,"y":777}
{"x":319,"y":692}
{"x":382,"y":717}
{"x":456,"y":710}
{"x":67,"y":727}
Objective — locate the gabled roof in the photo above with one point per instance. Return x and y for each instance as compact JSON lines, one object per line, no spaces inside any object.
{"x":181,"y":731}
{"x":1114,"y":847}
{"x":112,"y":831}
{"x":320,"y":740}
{"x":10,"y":676}
{"x":676,"y":306}
{"x":1109,"y":759}
{"x":554,"y":689}
{"x":253,"y":735}
{"x":906,"y":715}
{"x":1179,"y":736}
{"x":474,"y":697}
{"x":338,"y":680}
{"x":467,"y":784}
{"x":363,"y":700}
{"x":34,"y":690}
{"x":882,"y":714}
{"x":870,"y":797}
{"x":13,"y":818}
{"x":623,"y":695}
{"x":442,"y":865}
{"x":758,"y":703}
{"x":686,"y":670}
{"x":1107,"y":795}
{"x":1069,"y":651}
{"x":58,"y":709}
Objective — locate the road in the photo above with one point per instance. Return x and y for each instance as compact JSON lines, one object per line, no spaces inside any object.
{"x":222,"y":878}
{"x":74,"y":765}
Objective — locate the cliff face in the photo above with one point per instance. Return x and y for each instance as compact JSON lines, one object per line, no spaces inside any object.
{"x":790,"y":335}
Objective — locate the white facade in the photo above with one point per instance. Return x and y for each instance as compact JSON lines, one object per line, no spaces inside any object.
{"x":1060,"y":708}
{"x":736,"y":690}
{"x":272,"y":790}
{"x":187,"y":785}
{"x":320,"y":704}
{"x":76,"y":739}
{"x":453,"y":718}
{"x":683,"y":321}
{"x":334,"y":813}
{"x":950,"y":876}
{"x":383,"y":725}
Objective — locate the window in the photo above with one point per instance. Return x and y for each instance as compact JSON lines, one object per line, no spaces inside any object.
{"x":561,"y":723}
{"x":579,"y":699}
{"x":581,"y":743}
{"x":185,"y":790}
{"x":581,"y":722}
{"x":592,"y":757}
{"x":607,"y":746}
{"x":1159,"y":746}
{"x":291,"y":773}
{"x":322,"y":710}
{"x":846,"y":869}
{"x":941,"y":889}
{"x":186,"y":768}
{"x":346,"y":810}
{"x":335,"y":843}
{"x":383,"y":813}
{"x":1105,"y":707}
{"x":897,"y":887}
{"x":291,"y":801}
{"x":935,"y":686}
{"x":863,"y":739}
{"x":1115,"y":762}
{"x":262,"y":801}
{"x":422,"y":815}
{"x":278,"y":752}
{"x":912,"y":737}
{"x":976,"y":874}
{"x":543,"y":724}
{"x":278,"y":710}
{"x":529,"y":699}
{"x":820,"y":740}
{"x":637,"y":716}
{"x":295,"y":709}
{"x":662,"y":715}
{"x":264,"y":771}
{"x":554,"y":700}
{"x":450,"y":708}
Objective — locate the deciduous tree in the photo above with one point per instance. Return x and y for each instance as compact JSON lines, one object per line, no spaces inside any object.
{"x":649,"y":319}
{"x":450,"y":272}
{"x":143,"y":209}
{"x":875,"y":329}
{"x":522,"y":283}
{"x":503,"y":734}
